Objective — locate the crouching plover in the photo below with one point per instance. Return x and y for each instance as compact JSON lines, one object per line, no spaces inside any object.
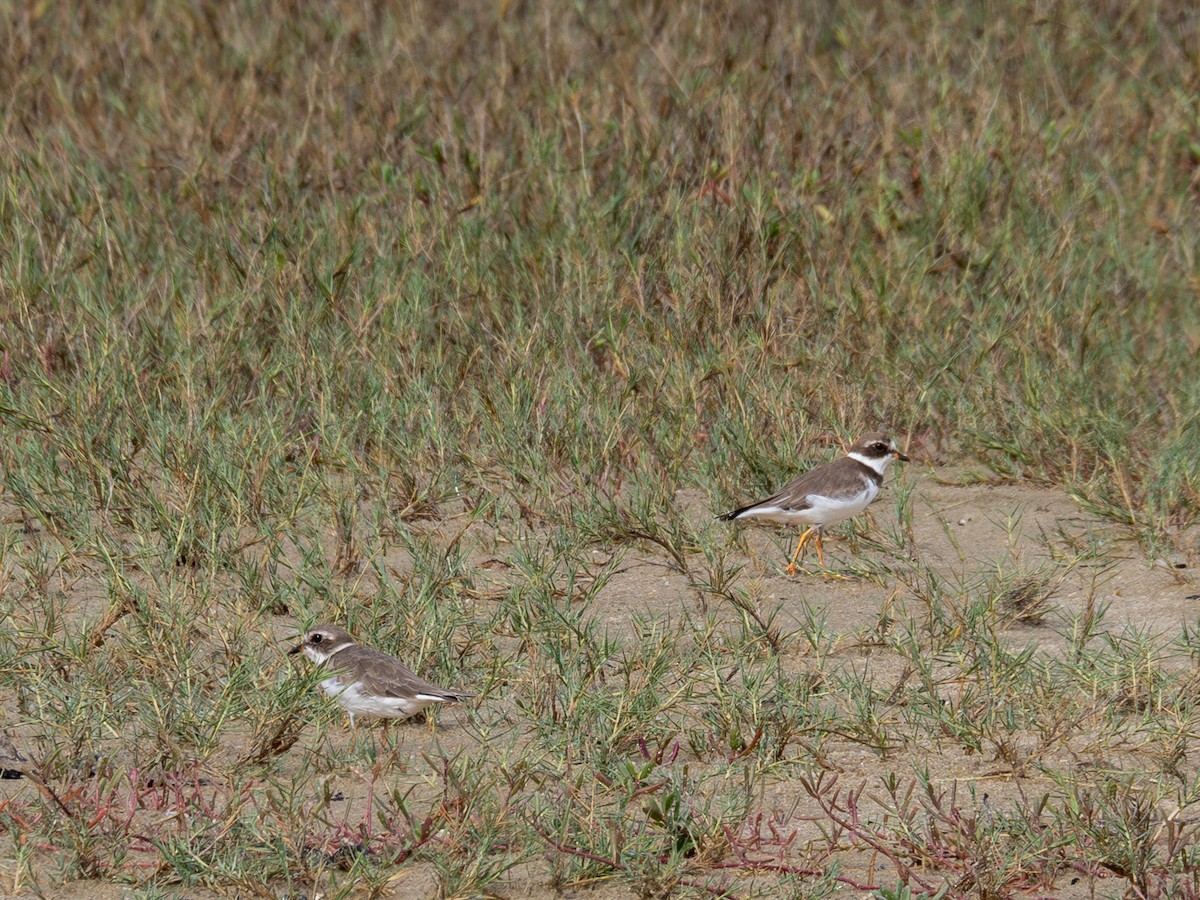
{"x":829,"y":493}
{"x":369,"y":682}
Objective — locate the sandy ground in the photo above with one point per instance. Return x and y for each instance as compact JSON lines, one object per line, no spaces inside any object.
{"x":959,"y":529}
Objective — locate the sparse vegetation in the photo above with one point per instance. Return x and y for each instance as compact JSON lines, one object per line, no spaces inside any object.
{"x":456,"y":326}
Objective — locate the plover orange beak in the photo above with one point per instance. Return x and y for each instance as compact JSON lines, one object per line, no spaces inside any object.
{"x":900,"y":456}
{"x":299,"y":648}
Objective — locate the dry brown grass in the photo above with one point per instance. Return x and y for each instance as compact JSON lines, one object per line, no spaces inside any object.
{"x":455,"y":322}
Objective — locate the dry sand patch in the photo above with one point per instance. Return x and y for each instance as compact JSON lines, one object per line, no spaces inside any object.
{"x":960,"y":532}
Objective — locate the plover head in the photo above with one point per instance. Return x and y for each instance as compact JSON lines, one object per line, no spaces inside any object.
{"x":876,"y":450}
{"x":322,"y":642}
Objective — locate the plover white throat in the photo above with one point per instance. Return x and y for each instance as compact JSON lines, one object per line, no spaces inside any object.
{"x":369,"y":682}
{"x":829,"y":493}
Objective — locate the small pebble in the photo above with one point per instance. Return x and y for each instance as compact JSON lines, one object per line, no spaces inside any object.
{"x":964,"y":520}
{"x":1175,"y":561}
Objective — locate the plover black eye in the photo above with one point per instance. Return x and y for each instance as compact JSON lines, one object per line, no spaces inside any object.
{"x":315,"y":638}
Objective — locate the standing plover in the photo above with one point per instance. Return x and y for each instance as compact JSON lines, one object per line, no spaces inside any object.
{"x":828,"y":494}
{"x":369,"y":682}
